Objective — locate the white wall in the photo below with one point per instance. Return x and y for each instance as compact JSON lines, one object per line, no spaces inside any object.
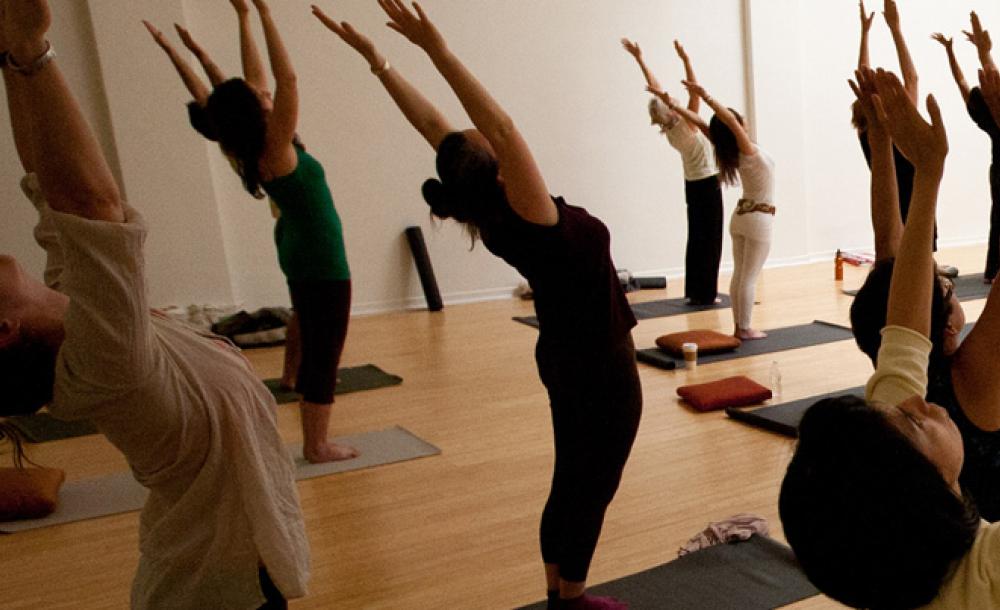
{"x":559,"y":70}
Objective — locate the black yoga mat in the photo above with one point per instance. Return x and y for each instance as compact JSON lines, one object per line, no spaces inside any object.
{"x":654,"y":309}
{"x":353,"y":379}
{"x":778,"y":340}
{"x":42,"y":427}
{"x":758,"y":574}
{"x":967,"y":288}
{"x":784,"y":418}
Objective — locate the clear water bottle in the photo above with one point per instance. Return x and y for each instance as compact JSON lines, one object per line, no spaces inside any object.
{"x":775,"y":381}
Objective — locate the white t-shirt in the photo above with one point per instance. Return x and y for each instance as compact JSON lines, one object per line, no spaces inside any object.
{"x":695,"y":149}
{"x":196,"y":425}
{"x":757,"y":176}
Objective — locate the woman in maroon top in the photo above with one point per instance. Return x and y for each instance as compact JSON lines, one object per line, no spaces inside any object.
{"x":490,"y":183}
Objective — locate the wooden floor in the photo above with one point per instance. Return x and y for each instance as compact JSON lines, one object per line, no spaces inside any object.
{"x":459,"y":530}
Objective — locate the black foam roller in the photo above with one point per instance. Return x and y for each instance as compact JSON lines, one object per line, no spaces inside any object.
{"x":419,"y":249}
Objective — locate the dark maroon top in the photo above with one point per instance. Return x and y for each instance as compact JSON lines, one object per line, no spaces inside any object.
{"x":578,"y":298}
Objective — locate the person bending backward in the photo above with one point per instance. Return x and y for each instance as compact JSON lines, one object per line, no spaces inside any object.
{"x":873,"y":503}
{"x":222,"y":527}
{"x":741,"y":160}
{"x":489,"y":182}
{"x":976,"y":105}
{"x":253,"y":72}
{"x":957,"y":369}
{"x":687,"y":133}
{"x":259,"y":135}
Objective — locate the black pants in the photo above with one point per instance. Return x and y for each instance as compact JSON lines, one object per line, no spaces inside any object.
{"x":993,"y":248}
{"x":324,"y":309}
{"x":596,"y":403}
{"x":704,"y":242}
{"x":275,"y":600}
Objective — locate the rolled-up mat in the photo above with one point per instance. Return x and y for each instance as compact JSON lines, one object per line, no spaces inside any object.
{"x":654,"y":309}
{"x":784,"y":418}
{"x":350,"y":379}
{"x":778,"y":340}
{"x":757,"y":574}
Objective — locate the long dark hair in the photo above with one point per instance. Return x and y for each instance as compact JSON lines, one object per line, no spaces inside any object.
{"x":467,"y":190}
{"x":241,"y":126}
{"x":727,"y":150}
{"x":870,"y":518}
{"x":201,"y":122}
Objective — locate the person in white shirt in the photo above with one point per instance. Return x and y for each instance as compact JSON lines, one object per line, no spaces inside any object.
{"x":222,"y":527}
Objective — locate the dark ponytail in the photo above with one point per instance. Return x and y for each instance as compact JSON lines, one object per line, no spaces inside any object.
{"x":727,"y":150}
{"x":241,"y":124}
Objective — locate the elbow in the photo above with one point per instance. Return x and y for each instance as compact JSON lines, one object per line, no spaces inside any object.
{"x":501,"y":132}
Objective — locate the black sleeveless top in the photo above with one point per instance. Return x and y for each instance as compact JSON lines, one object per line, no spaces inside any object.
{"x":980,"y":476}
{"x":578,"y":298}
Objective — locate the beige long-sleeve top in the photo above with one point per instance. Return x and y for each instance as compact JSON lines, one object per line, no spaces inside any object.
{"x":197,"y":426}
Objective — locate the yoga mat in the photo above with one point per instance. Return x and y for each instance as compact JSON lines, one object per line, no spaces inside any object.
{"x":967,"y":288}
{"x":654,"y":309}
{"x":784,"y":418}
{"x":352,"y":379}
{"x":120,"y":493}
{"x":758,"y":574}
{"x":42,"y":427}
{"x":778,"y":340}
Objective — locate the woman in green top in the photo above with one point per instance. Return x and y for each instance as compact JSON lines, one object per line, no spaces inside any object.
{"x":258,"y":134}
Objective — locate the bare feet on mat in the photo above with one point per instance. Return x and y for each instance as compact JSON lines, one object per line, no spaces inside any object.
{"x":750,"y":334}
{"x":329,"y":452}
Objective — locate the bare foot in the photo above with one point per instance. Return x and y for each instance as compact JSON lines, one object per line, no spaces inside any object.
{"x":330,"y":452}
{"x":750,"y":334}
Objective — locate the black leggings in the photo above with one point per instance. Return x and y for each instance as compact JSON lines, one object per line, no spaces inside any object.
{"x":704,"y":242}
{"x":993,"y":248}
{"x":596,"y":403}
{"x":324,"y":309}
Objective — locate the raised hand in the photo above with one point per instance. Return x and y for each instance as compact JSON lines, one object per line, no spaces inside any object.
{"x":359,"y":42}
{"x":663,"y":95}
{"x":632,"y":48}
{"x":978,"y":36}
{"x":186,"y":38}
{"x":25,"y":23}
{"x":891,"y":14}
{"x":696,"y":89}
{"x":866,"y":17}
{"x":417,"y":28}
{"x":924,"y":145}
{"x":157,"y":35}
{"x":680,"y":51}
{"x":865,"y":91}
{"x":945,"y":41}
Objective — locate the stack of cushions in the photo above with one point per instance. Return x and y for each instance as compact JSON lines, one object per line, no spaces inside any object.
{"x":708,"y":341}
{"x":729,"y":392}
{"x":29,"y":493}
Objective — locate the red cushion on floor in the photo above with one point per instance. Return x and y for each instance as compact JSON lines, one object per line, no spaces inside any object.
{"x":737,"y":391}
{"x":29,"y":493}
{"x":708,"y":341}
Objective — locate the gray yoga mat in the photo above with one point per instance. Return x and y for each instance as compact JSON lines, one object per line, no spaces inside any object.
{"x":120,"y":493}
{"x":778,"y":340}
{"x":351,"y":379}
{"x":784,"y":418}
{"x":42,"y":427}
{"x":758,"y":574}
{"x":967,"y":288}
{"x":654,"y":309}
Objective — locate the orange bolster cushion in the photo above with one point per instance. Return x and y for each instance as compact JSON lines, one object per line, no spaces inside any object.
{"x":709,"y":342}
{"x":737,"y":391}
{"x":29,"y":493}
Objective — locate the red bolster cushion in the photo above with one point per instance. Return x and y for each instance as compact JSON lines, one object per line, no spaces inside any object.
{"x":737,"y":391}
{"x":29,"y":493}
{"x":709,"y":342}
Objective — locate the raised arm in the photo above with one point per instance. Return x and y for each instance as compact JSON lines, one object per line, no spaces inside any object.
{"x":215,"y":75}
{"x":975,"y":363}
{"x":283,"y":120}
{"x":891,"y":14}
{"x":926,"y":146}
{"x":866,"y":26}
{"x":253,"y":67}
{"x":980,"y":38}
{"x":956,"y":70}
{"x":523,"y":182}
{"x":694,"y":102}
{"x":196,"y":87}
{"x":887,"y":223}
{"x":691,"y":118}
{"x":423,"y":115}
{"x":746,"y":145}
{"x":633,"y":49}
{"x":71,"y":168}
{"x":17,"y":109}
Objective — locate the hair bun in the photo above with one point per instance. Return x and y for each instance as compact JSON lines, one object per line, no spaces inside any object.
{"x":436,"y":195}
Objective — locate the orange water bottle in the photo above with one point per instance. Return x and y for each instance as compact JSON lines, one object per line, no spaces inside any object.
{"x":838,"y":267}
